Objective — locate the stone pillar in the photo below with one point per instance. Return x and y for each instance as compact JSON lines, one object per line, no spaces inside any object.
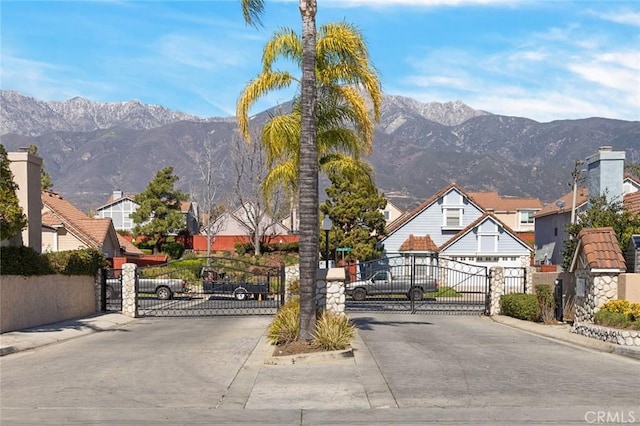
{"x":129,"y":293}
{"x":598,"y":290}
{"x":291,"y":274}
{"x":330,"y":290}
{"x":97,"y":286}
{"x":528,"y":276}
{"x":496,"y":289}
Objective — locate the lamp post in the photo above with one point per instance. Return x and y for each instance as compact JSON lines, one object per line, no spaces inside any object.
{"x":326,"y":226}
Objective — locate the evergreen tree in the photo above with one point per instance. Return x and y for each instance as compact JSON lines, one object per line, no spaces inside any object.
{"x":601,"y":213}
{"x":159,"y":213}
{"x":354,"y":206}
{"x":12,"y":218}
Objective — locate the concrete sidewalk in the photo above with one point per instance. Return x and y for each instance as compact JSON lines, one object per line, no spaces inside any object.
{"x":35,"y":337}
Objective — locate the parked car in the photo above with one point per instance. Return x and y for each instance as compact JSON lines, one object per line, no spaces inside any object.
{"x":383,"y":282}
{"x":164,"y":288}
{"x":214,"y":282}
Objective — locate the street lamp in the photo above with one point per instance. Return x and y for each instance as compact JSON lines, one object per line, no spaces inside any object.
{"x":326,"y":226}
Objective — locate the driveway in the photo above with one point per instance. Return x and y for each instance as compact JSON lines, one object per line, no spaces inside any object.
{"x":449,"y":361}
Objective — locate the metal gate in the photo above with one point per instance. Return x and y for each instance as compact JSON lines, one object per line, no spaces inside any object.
{"x":208,"y":287}
{"x":515,"y":280}
{"x":419,"y":284}
{"x":111,"y":290}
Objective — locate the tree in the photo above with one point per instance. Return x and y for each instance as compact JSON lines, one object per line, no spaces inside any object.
{"x":634,"y":169}
{"x":206,"y":193}
{"x":259,"y":208}
{"x":45,"y":178}
{"x":159,"y":213}
{"x":354,"y":206}
{"x":12,"y":218}
{"x":308,"y":188}
{"x":308,"y":151}
{"x":601,"y":213}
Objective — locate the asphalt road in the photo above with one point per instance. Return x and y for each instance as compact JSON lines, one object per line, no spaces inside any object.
{"x":435,"y":367}
{"x":469,"y":361}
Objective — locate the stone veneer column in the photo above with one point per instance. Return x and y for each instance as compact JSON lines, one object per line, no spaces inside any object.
{"x":330,"y":290}
{"x":129,"y":293}
{"x":529,"y":277}
{"x":97,"y":288}
{"x":599,"y":289}
{"x":496,"y":289}
{"x":291,"y":273}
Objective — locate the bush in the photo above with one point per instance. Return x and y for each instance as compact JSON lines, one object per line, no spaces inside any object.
{"x":285,"y":327}
{"x":619,"y":314}
{"x":546,"y":303}
{"x":173,"y":249}
{"x":23,"y":261}
{"x":519,"y":305}
{"x":333,"y":332}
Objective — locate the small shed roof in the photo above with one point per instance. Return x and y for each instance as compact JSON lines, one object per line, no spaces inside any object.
{"x":600,"y":249}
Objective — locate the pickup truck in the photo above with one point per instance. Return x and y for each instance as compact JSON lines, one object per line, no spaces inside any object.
{"x":214,"y":282}
{"x":164,"y":288}
{"x":383,"y":282}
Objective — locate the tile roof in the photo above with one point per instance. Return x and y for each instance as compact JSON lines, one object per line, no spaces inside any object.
{"x":631,"y":202}
{"x":414,"y":243}
{"x":600,"y":248}
{"x":57,"y":211}
{"x":129,"y":248}
{"x":567,"y":199}
{"x":492,"y":200}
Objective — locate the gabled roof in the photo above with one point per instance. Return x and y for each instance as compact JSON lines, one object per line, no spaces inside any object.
{"x":60,"y":212}
{"x":414,"y":243}
{"x":393,"y":226}
{"x":493,"y":201}
{"x":128,"y":247}
{"x":477,"y":222}
{"x":600,"y":248}
{"x":631,"y":202}
{"x":566,"y":201}
{"x":111,"y":201}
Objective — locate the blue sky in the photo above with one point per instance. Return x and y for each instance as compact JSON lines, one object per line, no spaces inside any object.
{"x":544,"y":60}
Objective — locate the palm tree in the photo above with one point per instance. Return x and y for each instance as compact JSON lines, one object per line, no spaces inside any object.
{"x":308,"y":155}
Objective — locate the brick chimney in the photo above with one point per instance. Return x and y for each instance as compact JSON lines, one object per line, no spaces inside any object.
{"x":605,"y":174}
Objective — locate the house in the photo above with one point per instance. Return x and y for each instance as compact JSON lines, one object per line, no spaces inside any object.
{"x":120,"y":206}
{"x":517,"y":213}
{"x":233,"y":227}
{"x":67,"y":228}
{"x":453,"y":224}
{"x":605,"y":176}
{"x":391,"y":212}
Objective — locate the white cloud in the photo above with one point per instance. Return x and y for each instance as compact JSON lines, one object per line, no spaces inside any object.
{"x":626,"y":17}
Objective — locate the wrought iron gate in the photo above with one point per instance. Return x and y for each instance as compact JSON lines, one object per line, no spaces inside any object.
{"x":419,"y":284}
{"x":208,"y":287}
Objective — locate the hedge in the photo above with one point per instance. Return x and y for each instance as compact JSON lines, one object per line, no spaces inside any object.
{"x":25,"y":261}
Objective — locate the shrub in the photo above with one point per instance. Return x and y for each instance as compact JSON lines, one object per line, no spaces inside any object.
{"x":519,"y":305}
{"x":333,"y":332}
{"x":23,"y":261}
{"x":285,"y":327}
{"x":546,"y":303}
{"x":619,"y":314}
{"x":173,"y":249}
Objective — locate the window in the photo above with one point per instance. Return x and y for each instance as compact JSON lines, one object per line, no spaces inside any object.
{"x":526,"y":217}
{"x":452,"y":217}
{"x":387,"y":214}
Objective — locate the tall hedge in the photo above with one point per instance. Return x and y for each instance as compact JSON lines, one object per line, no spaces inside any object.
{"x":25,"y":261}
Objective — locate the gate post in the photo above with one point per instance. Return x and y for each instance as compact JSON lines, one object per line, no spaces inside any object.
{"x":496,"y":289}
{"x":129,"y":293}
{"x":330,"y":290}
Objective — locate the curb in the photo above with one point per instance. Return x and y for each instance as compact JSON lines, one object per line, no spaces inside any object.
{"x":307,"y":358}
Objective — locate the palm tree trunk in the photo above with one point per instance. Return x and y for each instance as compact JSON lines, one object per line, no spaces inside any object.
{"x":308,"y":188}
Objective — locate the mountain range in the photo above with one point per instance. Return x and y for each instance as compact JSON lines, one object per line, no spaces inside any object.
{"x":92,"y":148}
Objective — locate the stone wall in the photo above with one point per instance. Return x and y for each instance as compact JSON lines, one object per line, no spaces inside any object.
{"x":611,"y":335}
{"x":129,"y":293}
{"x":37,"y":300}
